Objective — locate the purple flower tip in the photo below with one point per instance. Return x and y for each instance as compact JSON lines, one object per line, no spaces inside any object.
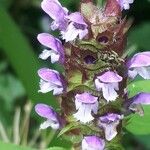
{"x":50,"y":81}
{"x":45,"y":111}
{"x":86,"y":98}
{"x":137,"y":101}
{"x":54,"y":9}
{"x":51,"y":116}
{"x":110,"y":77}
{"x":140,"y":64}
{"x":141,"y":98}
{"x":93,"y":143}
{"x":77,"y":18}
{"x":56,"y":51}
{"x":125,"y":4}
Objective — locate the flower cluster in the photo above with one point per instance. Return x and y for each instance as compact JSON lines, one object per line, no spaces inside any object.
{"x":92,"y":88}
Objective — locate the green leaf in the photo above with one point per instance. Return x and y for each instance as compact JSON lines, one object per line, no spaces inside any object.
{"x":139,"y":86}
{"x":7,"y":91}
{"x":6,"y":3}
{"x":68,"y":128}
{"x":56,"y":148}
{"x":138,"y":34}
{"x":144,"y":140}
{"x":22,"y":58}
{"x":9,"y":146}
{"x":100,"y":3}
{"x":140,"y":125}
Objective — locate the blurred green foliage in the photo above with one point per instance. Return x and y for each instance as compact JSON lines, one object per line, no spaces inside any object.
{"x":7,"y":146}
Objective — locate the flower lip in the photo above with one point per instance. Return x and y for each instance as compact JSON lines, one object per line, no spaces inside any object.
{"x":86,"y":98}
{"x":46,"y":111}
{"x":139,"y":60}
{"x":110,"y":77}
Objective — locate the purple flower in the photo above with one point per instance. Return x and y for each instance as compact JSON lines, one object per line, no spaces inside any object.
{"x":138,"y":100}
{"x":50,"y":81}
{"x":51,"y":116}
{"x":54,"y":9}
{"x":85,"y":104}
{"x":109,"y":84}
{"x":56,"y":51}
{"x":93,"y":143}
{"x":140,"y":64}
{"x":109,"y":123}
{"x":125,"y":4}
{"x":77,"y":27}
{"x":71,"y":26}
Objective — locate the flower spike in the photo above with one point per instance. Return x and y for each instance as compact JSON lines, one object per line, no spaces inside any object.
{"x":93,"y":98}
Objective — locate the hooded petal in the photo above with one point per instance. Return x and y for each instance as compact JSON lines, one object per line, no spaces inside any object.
{"x":93,"y":143}
{"x":54,"y":9}
{"x":141,"y":98}
{"x":139,"y":60}
{"x":50,"y":80}
{"x":50,"y":42}
{"x":51,"y":116}
{"x":46,"y":111}
{"x":86,"y":98}
{"x":50,"y":75}
{"x":57,"y":50}
{"x":76,"y":18}
{"x":110,"y":77}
